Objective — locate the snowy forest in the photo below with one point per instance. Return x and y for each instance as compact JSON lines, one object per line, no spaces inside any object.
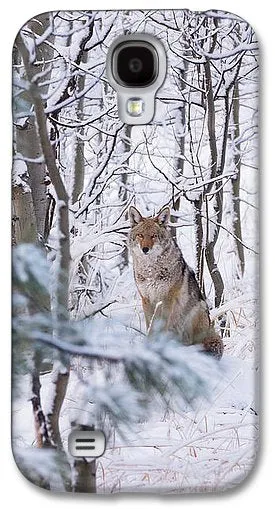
{"x":175,"y":419}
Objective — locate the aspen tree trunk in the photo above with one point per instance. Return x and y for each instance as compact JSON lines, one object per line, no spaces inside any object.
{"x":61,"y":376}
{"x":23,"y":218}
{"x":79,"y":169}
{"x":237,"y":226}
{"x":210,"y":244}
{"x":27,"y":140}
{"x":123,"y":193}
{"x":179,"y":164}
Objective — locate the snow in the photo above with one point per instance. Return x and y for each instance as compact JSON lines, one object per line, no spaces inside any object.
{"x":207,"y":447}
{"x":181,"y":449}
{"x":19,"y":171}
{"x":173,"y":446}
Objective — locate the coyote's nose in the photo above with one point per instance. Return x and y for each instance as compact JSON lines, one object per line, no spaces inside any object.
{"x":145,"y":250}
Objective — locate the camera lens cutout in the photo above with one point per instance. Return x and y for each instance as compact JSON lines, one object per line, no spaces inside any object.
{"x":135,"y":64}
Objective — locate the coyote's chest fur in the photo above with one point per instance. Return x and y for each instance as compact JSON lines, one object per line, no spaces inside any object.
{"x":155,"y":276}
{"x":167,"y":286}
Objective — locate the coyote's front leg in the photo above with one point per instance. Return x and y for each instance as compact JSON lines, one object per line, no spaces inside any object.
{"x":151,"y":313}
{"x":148,"y":310}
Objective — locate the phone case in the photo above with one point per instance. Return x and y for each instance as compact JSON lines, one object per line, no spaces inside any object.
{"x":135,"y":258}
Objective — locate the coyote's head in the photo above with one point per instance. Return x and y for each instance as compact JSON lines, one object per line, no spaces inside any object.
{"x":148,"y":234}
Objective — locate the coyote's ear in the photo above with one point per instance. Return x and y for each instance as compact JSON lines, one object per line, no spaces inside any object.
{"x":134,"y":216}
{"x":163,"y":216}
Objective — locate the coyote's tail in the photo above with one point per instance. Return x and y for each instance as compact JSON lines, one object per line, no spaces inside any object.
{"x":213,"y":344}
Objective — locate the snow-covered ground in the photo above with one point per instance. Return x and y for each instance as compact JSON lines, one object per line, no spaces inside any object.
{"x":209,"y":447}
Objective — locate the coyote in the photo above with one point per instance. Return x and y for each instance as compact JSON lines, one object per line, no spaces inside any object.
{"x":167,"y":285}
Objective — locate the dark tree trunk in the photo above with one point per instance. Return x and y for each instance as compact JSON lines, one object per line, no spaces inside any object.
{"x":237,"y":226}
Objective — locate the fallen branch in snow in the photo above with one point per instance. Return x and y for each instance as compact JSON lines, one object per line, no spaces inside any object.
{"x":92,"y":309}
{"x":230,"y":306}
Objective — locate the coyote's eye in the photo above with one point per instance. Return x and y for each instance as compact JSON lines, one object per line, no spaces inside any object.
{"x":139,"y":236}
{"x":154,"y":236}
